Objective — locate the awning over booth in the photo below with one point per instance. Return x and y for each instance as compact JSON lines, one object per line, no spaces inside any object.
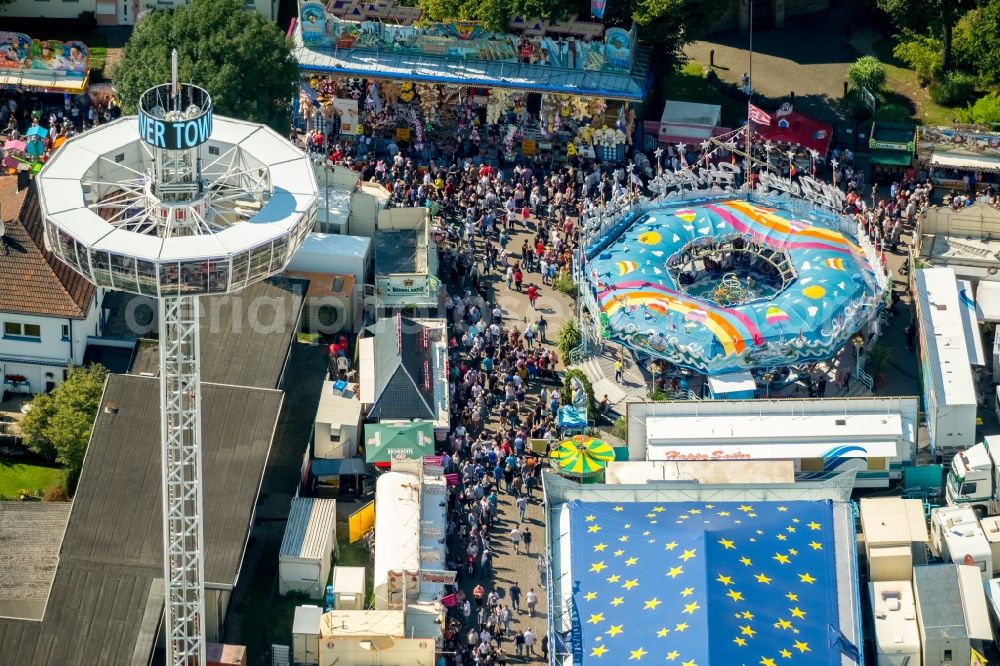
{"x":797,"y":129}
{"x":385,"y":442}
{"x":891,"y":157}
{"x":967,"y":161}
{"x":689,"y":122}
{"x":423,"y":68}
{"x":42,"y":80}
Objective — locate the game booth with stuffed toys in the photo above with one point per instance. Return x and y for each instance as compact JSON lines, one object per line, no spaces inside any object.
{"x":460,"y":90}
{"x":40,"y":73}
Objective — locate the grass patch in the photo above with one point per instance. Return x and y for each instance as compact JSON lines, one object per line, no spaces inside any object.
{"x":356,"y":555}
{"x":16,"y":475}
{"x":903,"y":83}
{"x":690,"y":85}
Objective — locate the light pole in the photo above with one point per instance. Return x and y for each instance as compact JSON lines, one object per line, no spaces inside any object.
{"x":768,"y":378}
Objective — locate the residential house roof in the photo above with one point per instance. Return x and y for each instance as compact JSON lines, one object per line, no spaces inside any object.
{"x":30,"y":533}
{"x":32,"y":279}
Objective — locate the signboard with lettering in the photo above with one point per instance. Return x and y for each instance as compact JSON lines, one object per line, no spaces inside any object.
{"x":890,"y":145}
{"x":402,"y":134}
{"x":395,"y":286}
{"x":175,"y":134}
{"x":435,"y":576}
{"x":714,"y":455}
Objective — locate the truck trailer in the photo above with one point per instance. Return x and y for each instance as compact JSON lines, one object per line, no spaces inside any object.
{"x":974,"y":478}
{"x":948,"y":386}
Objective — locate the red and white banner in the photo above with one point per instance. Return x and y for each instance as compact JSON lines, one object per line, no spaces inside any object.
{"x":759,"y":117}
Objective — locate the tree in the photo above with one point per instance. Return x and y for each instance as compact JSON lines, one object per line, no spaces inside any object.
{"x":985,"y":111}
{"x":59,"y":424}
{"x":937,"y":16}
{"x":867,"y":72}
{"x":244,"y":61}
{"x":667,"y":24}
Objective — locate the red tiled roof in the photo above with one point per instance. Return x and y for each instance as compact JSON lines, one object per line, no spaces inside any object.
{"x":32,"y":279}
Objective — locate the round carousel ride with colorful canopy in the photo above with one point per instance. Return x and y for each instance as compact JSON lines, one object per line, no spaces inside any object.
{"x":581,"y":456}
{"x":729,"y":284}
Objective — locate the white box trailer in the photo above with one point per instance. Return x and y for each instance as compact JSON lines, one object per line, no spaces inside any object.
{"x":951,"y":613}
{"x":891,"y":526}
{"x":337,"y":426}
{"x":336,"y":254}
{"x":948,"y":386}
{"x":305,"y":635}
{"x":897,"y":636}
{"x":307,"y":548}
{"x":957,"y":537}
{"x":348,"y":588}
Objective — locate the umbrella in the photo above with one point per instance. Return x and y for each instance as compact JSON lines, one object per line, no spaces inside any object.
{"x":14,"y":145}
{"x":36,"y":130}
{"x":582,"y":455}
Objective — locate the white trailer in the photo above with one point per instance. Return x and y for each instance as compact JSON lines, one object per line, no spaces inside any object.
{"x":957,"y":537}
{"x":897,"y":636}
{"x":307,"y":548}
{"x":948,"y":386}
{"x":951,"y":613}
{"x":337,"y":427}
{"x":891,"y":527}
{"x":305,"y":635}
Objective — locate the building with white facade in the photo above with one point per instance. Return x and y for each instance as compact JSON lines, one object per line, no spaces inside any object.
{"x":47,"y":311}
{"x":110,"y":12}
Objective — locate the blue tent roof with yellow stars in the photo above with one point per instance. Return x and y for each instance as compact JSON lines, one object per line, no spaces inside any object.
{"x":696,"y":584}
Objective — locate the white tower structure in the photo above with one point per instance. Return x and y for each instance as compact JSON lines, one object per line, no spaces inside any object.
{"x":177,"y":204}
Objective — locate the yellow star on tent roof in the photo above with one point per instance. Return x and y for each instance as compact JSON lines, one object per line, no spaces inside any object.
{"x":687,"y":591}
{"x":600,"y":546}
{"x":747,"y":615}
{"x":590,"y":596}
{"x":594,"y":528}
{"x":725,"y":580}
{"x":742,"y":642}
{"x":637,"y":654}
{"x":782,"y":508}
{"x":781,"y":558}
{"x":691,"y":607}
{"x":591,"y":518}
{"x":614,"y":630}
{"x":806,"y":578}
{"x":617,"y":601}
{"x":734,"y":595}
{"x":673,"y":654}
{"x":619,"y":508}
{"x":727,"y":544}
{"x":675,"y":572}
{"x":651,"y":604}
{"x":792,"y":596}
{"x":801,"y":647}
{"x":762,"y":578}
{"x":598,"y":567}
{"x":816,"y":545}
{"x":797,"y":612}
{"x":598,"y":651}
{"x":631,"y":561}
{"x":687,"y":554}
{"x":619,"y":552}
{"x":690,"y":662}
{"x":681,"y":626}
{"x":745,"y":561}
{"x":747,"y":630}
{"x":782,"y":623}
{"x":746,"y":509}
{"x":662,"y":633}
{"x":671,"y":545}
{"x":596,"y":618}
{"x":786,"y":654}
{"x":767,"y":661}
{"x":813,"y":525}
{"x":629,"y":584}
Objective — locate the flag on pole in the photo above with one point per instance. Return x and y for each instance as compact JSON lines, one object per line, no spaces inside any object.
{"x":597,"y":8}
{"x":759,"y":116}
{"x":373,"y":98}
{"x":621,"y":117}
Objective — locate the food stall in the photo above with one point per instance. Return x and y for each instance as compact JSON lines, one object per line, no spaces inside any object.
{"x":892,"y":146}
{"x":960,"y":157}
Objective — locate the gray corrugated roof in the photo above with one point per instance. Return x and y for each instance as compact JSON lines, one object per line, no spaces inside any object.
{"x":111,"y":554}
{"x":310,"y":523}
{"x":939,"y":600}
{"x":245,"y":337}
{"x":30,"y":533}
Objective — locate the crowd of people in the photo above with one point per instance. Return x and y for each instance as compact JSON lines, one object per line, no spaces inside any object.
{"x":62,"y":116}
